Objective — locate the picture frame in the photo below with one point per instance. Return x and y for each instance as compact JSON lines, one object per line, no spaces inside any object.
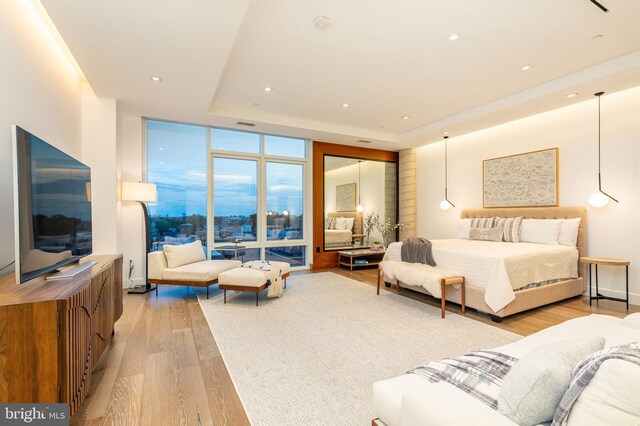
{"x":529,"y":179}
{"x":346,"y":197}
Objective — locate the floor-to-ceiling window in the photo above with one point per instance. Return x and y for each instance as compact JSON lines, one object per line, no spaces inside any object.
{"x":177,"y":164}
{"x":258,"y":195}
{"x":254,"y":195}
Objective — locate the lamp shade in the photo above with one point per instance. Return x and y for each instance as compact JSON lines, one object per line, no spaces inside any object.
{"x":138,"y":191}
{"x":598,"y":199}
{"x":445,"y":204}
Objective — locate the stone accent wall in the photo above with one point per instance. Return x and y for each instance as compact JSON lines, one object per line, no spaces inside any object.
{"x":407,"y":192}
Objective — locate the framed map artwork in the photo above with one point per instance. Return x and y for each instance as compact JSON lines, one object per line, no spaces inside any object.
{"x":522,"y":180}
{"x":346,"y":197}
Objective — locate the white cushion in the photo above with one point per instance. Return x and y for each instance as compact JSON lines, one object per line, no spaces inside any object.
{"x":464,"y":225}
{"x":541,"y":231}
{"x":206,"y":270}
{"x":534,"y":386}
{"x":245,"y":277}
{"x":349,"y":223}
{"x":632,"y":321}
{"x":157,"y":262}
{"x":610,"y":398}
{"x":340,"y":223}
{"x":445,"y":404}
{"x":387,"y":396}
{"x":568,"y":235}
{"x":184,"y":254}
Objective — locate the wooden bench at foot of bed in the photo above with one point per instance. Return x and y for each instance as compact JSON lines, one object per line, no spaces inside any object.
{"x":444,"y":282}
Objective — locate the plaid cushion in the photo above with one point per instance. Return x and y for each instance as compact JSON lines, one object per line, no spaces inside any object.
{"x":483,"y":222}
{"x":511,"y":227}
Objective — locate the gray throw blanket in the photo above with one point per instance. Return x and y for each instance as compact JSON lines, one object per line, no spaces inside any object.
{"x":585,"y":371}
{"x":417,"y":250}
{"x":478,"y":373}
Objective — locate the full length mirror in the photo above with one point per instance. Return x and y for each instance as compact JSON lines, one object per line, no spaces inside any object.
{"x":360,"y":197}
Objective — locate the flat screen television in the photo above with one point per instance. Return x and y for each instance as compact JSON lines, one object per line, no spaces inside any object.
{"x":52,"y":194}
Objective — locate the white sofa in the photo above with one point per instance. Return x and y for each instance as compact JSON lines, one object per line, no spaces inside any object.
{"x":410,"y":400}
{"x":186,"y":264}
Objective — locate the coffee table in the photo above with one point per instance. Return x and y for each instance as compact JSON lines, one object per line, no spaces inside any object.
{"x":348,"y":258}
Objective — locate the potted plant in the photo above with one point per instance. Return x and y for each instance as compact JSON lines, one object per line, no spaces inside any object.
{"x":369,"y":224}
{"x":376,"y":245}
{"x":385,"y":228}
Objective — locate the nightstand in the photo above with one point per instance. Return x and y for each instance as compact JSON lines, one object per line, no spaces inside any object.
{"x":606,"y":262}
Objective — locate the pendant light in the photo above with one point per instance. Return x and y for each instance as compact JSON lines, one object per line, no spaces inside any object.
{"x":359,"y":208}
{"x":600,"y":198}
{"x":445,"y":204}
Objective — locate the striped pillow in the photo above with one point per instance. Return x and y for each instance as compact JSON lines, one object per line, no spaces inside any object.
{"x":483,"y":222}
{"x":511,"y":227}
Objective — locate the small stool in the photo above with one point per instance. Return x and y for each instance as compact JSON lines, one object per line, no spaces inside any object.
{"x":250,"y":280}
{"x":451,"y":281}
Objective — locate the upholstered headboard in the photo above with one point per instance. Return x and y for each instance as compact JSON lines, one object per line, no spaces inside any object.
{"x":540,"y":213}
{"x":357,"y":223}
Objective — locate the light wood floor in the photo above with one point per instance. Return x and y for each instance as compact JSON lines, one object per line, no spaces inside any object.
{"x":164,"y":367}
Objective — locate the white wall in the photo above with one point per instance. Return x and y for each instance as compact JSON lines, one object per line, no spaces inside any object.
{"x":39,"y":92}
{"x":613,"y":231}
{"x":99,"y":151}
{"x":130,"y":152}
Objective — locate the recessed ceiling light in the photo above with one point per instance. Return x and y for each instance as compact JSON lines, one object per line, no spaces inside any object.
{"x":526,"y":67}
{"x":572,"y":95}
{"x":345,"y":105}
{"x":161,"y":149}
{"x":268,"y":89}
{"x":405,"y":117}
{"x":597,"y":37}
{"x":162,"y":162}
{"x":156,"y":78}
{"x":454,"y":36}
{"x":445,"y":133}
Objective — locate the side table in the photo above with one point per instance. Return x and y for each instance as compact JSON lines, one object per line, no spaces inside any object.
{"x":606,"y":262}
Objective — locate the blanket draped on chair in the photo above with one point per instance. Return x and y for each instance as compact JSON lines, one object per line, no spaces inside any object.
{"x":478,"y":373}
{"x":585,"y":371}
{"x":417,"y":250}
{"x":273,"y":273}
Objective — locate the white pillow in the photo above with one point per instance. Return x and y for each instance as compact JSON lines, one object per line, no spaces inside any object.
{"x":184,"y":254}
{"x":349,"y":225}
{"x":632,"y":321}
{"x":569,"y":232}
{"x":533,"y":388}
{"x":541,"y":231}
{"x":464,"y":225}
{"x":340,"y":223}
{"x":610,"y":398}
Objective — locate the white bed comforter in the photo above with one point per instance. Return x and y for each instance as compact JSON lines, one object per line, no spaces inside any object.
{"x":337,"y":236}
{"x":500,"y":267}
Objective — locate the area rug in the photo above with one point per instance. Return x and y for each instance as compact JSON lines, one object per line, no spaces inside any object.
{"x":312,"y":356}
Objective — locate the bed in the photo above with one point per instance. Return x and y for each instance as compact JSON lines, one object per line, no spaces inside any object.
{"x":507,"y":278}
{"x":336,"y":238}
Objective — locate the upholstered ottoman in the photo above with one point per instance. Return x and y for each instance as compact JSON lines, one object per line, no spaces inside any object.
{"x":249,"y":279}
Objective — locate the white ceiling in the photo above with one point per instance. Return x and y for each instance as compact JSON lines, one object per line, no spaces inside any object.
{"x":386,"y":59}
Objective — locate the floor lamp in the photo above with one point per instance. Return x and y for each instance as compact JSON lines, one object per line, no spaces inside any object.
{"x":142,"y":193}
